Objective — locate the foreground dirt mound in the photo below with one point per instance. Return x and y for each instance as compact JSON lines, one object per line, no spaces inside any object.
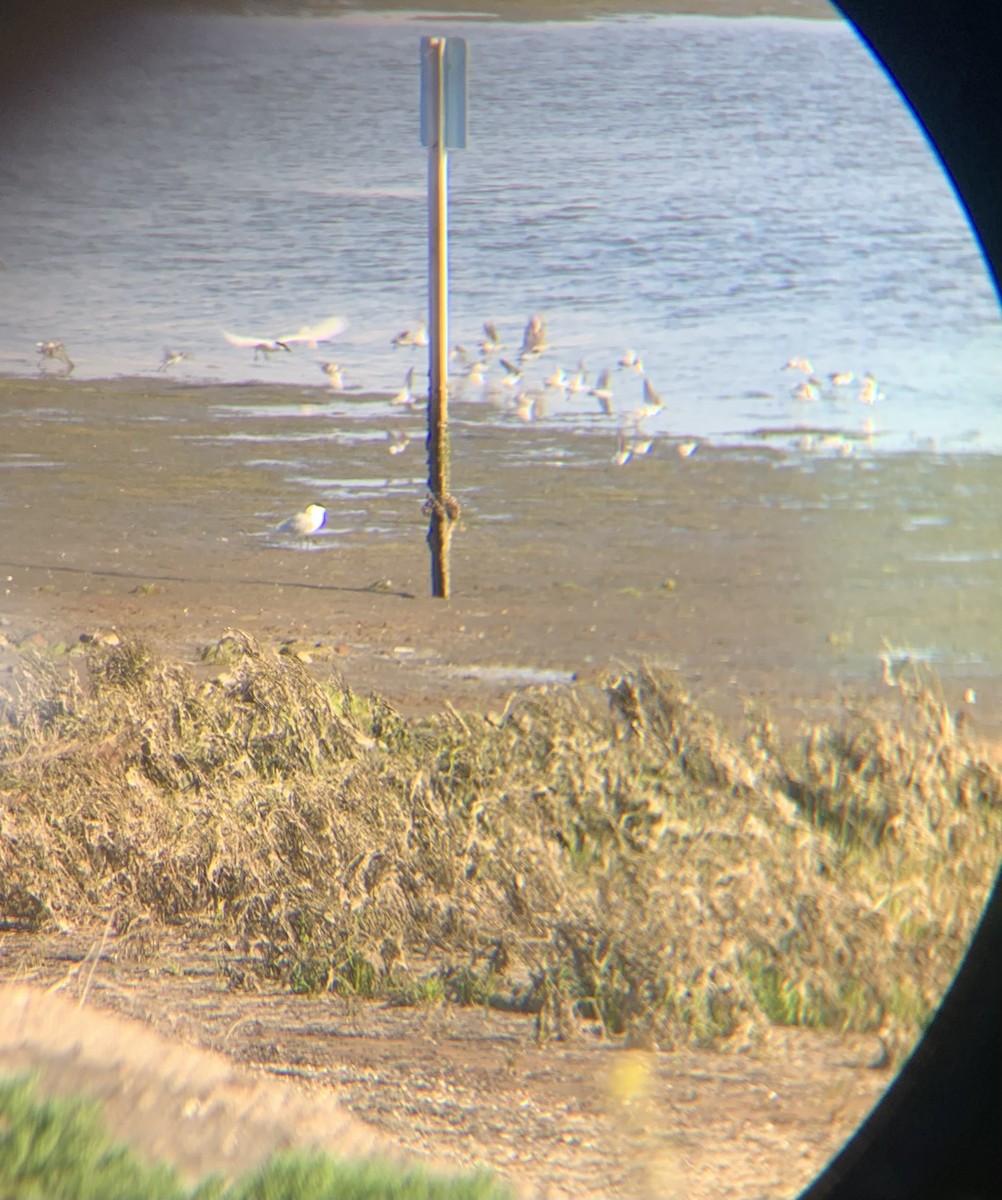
{"x":191,"y":1107}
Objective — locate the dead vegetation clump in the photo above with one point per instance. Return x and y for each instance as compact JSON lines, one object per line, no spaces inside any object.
{"x":607,"y":858}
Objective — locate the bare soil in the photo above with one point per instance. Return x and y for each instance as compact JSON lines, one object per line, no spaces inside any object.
{"x":450,"y":1088}
{"x":150,"y":509}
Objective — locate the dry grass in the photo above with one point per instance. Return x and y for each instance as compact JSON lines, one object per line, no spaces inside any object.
{"x":603,"y":856}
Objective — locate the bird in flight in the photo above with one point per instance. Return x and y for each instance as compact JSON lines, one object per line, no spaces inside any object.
{"x":652,"y":405}
{"x":309,"y":335}
{"x":602,"y":391}
{"x":512,"y":373}
{"x":492,"y":339}
{"x":406,"y":394}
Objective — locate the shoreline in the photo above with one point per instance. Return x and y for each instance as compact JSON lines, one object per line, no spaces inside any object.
{"x":762,"y":579}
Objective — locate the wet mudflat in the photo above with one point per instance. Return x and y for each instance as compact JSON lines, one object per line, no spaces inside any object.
{"x":763,"y":575}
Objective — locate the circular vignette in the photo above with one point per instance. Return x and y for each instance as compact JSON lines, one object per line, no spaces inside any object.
{"x":937,"y":1132}
{"x":935,"y":1135}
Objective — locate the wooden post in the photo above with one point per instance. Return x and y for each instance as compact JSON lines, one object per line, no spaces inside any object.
{"x":441,"y":506}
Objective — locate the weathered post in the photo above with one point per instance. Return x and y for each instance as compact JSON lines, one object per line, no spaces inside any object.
{"x":443,"y":127}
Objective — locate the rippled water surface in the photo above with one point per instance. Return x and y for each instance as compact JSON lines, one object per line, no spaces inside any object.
{"x":718,"y":194}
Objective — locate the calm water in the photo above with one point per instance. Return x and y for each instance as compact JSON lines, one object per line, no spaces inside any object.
{"x":718,"y":194}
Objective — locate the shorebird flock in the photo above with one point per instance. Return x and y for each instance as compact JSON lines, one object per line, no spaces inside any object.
{"x":836,"y":387}
{"x":515,"y":380}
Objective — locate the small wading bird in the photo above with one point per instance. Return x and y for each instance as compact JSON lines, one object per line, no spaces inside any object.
{"x":807,"y":390}
{"x":333,"y":372}
{"x":306,"y":522}
{"x":55,"y":351}
{"x":868,"y":392}
{"x":309,"y":335}
{"x":631,"y":361}
{"x":525,"y":407}
{"x":413,"y":337}
{"x":398,"y":441}
{"x":534,"y":338}
{"x":837,"y":442}
{"x":172,"y":357}
{"x":623,"y":453}
{"x":799,"y":364}
{"x":629,"y":448}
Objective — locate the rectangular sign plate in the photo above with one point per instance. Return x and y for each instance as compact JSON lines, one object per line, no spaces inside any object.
{"x":454,"y":88}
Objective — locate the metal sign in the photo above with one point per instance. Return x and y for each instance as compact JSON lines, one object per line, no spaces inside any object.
{"x":453,"y":93}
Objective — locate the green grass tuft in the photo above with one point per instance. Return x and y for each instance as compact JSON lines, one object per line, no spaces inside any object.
{"x":59,"y":1150}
